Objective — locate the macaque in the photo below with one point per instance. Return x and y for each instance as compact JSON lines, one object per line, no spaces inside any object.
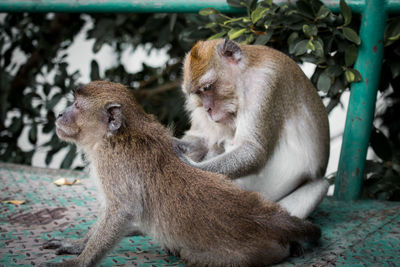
{"x":201,"y":216}
{"x":256,"y":118}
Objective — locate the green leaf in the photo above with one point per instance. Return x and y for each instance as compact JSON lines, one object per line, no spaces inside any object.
{"x":235,"y":33}
{"x":324,"y":82}
{"x":300,"y":48}
{"x":236,"y":3}
{"x":310,"y":30}
{"x":346,"y":12}
{"x":69,"y":158}
{"x":257,"y":14}
{"x":208,"y":11}
{"x":217,"y":35}
{"x":232,"y":20}
{"x":392,"y":31}
{"x":292,"y":37}
{"x":249,"y":39}
{"x":16,"y":125}
{"x":351,"y":35}
{"x":54,"y":101}
{"x":350,"y":55}
{"x":334,"y":71}
{"x":32,"y":135}
{"x":323,"y":12}
{"x":381,"y":145}
{"x":263,"y":39}
{"x":310,"y":45}
{"x":48,"y":127}
{"x":395,"y":68}
{"x":352,"y":75}
{"x":94,"y":71}
{"x":319,"y":48}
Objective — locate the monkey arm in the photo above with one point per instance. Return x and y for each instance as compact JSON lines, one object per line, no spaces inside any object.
{"x":110,"y":228}
{"x":243,"y":160}
{"x":70,"y":246}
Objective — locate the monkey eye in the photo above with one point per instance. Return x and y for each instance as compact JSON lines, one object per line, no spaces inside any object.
{"x":205,"y":88}
{"x":76,"y":105}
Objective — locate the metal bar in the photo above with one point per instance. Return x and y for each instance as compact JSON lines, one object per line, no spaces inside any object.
{"x":393,"y":6}
{"x":147,"y":6}
{"x":140,"y":6}
{"x":361,"y":107}
{"x":119,"y":6}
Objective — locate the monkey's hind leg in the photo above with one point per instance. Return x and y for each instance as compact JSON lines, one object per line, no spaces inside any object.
{"x":305,"y":199}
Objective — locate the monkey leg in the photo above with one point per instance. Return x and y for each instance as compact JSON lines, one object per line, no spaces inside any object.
{"x":110,"y":228}
{"x":305,"y":199}
{"x":69,"y":246}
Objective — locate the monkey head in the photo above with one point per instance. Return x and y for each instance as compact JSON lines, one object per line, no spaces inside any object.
{"x":95,"y":113}
{"x":211,"y":73}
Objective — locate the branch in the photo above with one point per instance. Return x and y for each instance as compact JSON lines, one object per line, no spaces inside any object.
{"x":145,"y":93}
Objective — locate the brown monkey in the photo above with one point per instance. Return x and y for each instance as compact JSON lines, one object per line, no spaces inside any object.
{"x":201,"y":216}
{"x":257,"y":119}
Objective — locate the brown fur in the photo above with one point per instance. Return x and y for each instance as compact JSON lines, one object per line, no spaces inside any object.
{"x":200,"y":215}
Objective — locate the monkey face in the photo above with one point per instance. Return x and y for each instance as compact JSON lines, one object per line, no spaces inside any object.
{"x":218,"y":101}
{"x":86,"y":119}
{"x":96,"y":113}
{"x":209,"y":79}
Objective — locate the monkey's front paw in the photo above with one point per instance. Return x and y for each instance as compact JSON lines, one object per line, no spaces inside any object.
{"x":64,"y":246}
{"x":49,"y":264}
{"x":296,"y":249}
{"x":70,"y":263}
{"x":180,"y":146}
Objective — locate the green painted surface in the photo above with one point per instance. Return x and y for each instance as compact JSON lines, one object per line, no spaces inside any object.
{"x":361,"y":106}
{"x":138,"y":6}
{"x":354,"y":233}
{"x":141,"y":6}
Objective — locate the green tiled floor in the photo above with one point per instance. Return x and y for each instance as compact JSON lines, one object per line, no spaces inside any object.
{"x":362,"y":233}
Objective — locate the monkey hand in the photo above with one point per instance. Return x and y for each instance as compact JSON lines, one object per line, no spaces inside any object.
{"x":65,"y":246}
{"x":70,"y":263}
{"x":195,"y":149}
{"x":180,"y":146}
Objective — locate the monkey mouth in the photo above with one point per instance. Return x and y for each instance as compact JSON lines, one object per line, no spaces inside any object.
{"x":221,"y":118}
{"x":65,"y":133}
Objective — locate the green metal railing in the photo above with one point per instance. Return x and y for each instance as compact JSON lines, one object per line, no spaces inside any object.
{"x":362,"y":95}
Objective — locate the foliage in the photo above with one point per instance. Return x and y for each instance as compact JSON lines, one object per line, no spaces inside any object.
{"x":307,"y":31}
{"x":31,"y":88}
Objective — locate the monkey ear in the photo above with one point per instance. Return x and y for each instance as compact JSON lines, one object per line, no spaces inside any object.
{"x":230,"y":50}
{"x":114,"y":116}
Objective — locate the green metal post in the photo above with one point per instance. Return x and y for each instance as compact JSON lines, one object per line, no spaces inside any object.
{"x":361,"y":106}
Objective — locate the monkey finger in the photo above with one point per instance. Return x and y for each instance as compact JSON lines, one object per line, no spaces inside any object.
{"x":49,"y":264}
{"x":179,"y":145}
{"x":52,"y":244}
{"x":296,"y":249}
{"x":70,"y":249}
{"x":70,"y":263}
